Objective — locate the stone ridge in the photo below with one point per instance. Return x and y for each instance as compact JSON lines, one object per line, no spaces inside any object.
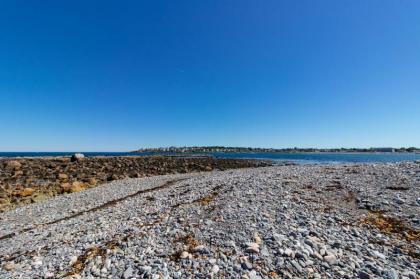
{"x":31,"y":180}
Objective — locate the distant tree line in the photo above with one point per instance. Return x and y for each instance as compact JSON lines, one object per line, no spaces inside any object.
{"x":224,"y":149}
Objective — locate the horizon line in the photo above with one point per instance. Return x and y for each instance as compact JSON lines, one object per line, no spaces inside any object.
{"x":201,"y":146}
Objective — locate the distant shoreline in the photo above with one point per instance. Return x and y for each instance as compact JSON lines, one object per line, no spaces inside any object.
{"x":259,"y":152}
{"x":283,"y":152}
{"x":223,"y":149}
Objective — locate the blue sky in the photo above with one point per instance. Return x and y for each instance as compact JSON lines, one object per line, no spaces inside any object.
{"x":119,"y":75}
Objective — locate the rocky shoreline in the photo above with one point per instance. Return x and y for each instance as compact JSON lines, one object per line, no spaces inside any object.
{"x":30,"y":180}
{"x":304,"y":221}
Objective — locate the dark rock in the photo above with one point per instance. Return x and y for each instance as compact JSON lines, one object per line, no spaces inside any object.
{"x":77,"y":157}
{"x":364,"y":275}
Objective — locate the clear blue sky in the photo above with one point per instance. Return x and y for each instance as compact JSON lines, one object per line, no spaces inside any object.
{"x":119,"y":75}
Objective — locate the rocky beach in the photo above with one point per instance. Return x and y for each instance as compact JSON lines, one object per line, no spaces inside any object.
{"x":30,"y":180}
{"x":302,"y":221}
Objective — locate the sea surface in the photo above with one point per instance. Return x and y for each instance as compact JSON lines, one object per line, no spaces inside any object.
{"x":300,"y":158}
{"x":328,"y":158}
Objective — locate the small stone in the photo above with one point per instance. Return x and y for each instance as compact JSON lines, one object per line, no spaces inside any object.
{"x":316,"y":276}
{"x":410,"y":274}
{"x":37,"y":262}
{"x":391,"y":274}
{"x":379,"y":255}
{"x":230,"y":243}
{"x":252,"y":248}
{"x":9,"y":266}
{"x":107,"y":264}
{"x":200,"y":249}
{"x":297,"y":266}
{"x":177,"y":275}
{"x":246,"y":265}
{"x":128,"y":273}
{"x":27,"y":192}
{"x":66,"y":187}
{"x":92,"y":181}
{"x":18,"y":173}
{"x":288,"y":252}
{"x":146,"y":269}
{"x":331,"y":259}
{"x":77,"y":187}
{"x":310,"y":242}
{"x":364,"y":275}
{"x":184,"y":255}
{"x":257,"y":239}
{"x":63,"y":176}
{"x":215,"y":269}
{"x":113,"y":177}
{"x":317,"y":255}
{"x":39,"y":197}
{"x":300,"y":255}
{"x":253,"y":275}
{"x":265,"y":252}
{"x":399,"y":200}
{"x":73,"y":260}
{"x":95,"y":271}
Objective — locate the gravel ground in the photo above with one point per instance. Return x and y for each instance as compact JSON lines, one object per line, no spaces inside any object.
{"x":344,"y":221}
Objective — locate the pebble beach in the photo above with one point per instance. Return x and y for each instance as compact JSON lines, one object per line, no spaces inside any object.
{"x":297,"y":221}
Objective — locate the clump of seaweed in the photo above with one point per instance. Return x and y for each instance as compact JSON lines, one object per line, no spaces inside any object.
{"x":390,"y":225}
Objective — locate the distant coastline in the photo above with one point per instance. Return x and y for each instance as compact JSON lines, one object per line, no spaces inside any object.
{"x":223,"y":149}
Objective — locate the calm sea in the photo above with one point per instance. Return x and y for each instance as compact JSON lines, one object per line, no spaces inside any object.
{"x":301,"y":158}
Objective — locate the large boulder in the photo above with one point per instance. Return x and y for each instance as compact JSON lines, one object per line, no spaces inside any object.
{"x":13,"y":165}
{"x":77,"y":187}
{"x":66,"y":187}
{"x":77,"y":157}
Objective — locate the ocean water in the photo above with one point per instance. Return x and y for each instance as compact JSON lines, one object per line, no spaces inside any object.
{"x":59,"y":154}
{"x":301,"y":158}
{"x":328,"y":158}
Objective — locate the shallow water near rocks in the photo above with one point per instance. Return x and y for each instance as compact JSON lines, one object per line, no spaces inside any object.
{"x":299,"y":158}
